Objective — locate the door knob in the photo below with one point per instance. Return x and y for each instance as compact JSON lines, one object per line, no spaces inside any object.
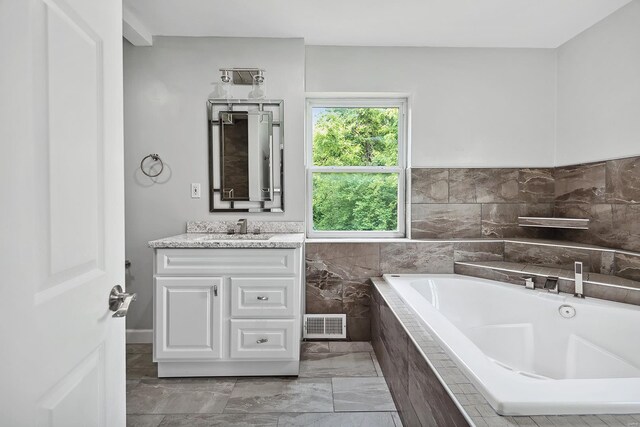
{"x":262,"y":341}
{"x":119,"y":301}
{"x":261,"y":298}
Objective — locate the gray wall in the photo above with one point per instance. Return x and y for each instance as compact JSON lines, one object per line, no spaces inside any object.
{"x":470,"y":107}
{"x":599,"y":90}
{"x":165,"y":90}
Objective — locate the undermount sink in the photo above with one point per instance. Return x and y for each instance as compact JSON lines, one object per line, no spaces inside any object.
{"x":225,"y":236}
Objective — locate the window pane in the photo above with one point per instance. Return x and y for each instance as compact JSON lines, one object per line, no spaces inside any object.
{"x":363,"y":136}
{"x":355,"y":201}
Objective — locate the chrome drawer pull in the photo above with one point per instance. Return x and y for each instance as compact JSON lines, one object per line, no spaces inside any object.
{"x":261,"y":298}
{"x":262,"y":341}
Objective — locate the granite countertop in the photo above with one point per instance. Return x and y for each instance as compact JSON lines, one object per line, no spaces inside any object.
{"x":218,"y":240}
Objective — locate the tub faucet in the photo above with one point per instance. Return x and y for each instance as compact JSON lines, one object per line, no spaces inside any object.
{"x":243,"y":225}
{"x":551,"y":285}
{"x":529,"y":283}
{"x":578,"y":291}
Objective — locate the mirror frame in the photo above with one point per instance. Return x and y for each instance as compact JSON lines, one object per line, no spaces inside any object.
{"x":214,"y":106}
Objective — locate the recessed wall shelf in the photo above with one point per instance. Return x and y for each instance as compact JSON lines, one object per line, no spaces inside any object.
{"x":545,"y":222}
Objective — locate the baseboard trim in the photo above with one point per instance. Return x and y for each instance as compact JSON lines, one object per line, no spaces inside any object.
{"x":139,"y":336}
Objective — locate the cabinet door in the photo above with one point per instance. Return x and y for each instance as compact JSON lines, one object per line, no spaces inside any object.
{"x":188,"y":316}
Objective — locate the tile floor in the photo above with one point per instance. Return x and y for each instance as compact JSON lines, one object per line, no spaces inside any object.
{"x":340,"y":384}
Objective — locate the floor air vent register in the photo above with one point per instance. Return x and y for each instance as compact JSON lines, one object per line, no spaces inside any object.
{"x":325,"y":326}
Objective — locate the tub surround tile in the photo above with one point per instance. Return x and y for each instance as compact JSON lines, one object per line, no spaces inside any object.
{"x":613,"y":226}
{"x":595,"y":284}
{"x":345,"y":260}
{"x":445,"y":221}
{"x":324,"y":296}
{"x":556,"y":256}
{"x":268,"y":395}
{"x":478,"y":251}
{"x":356,"y":298}
{"x":429,"y":185}
{"x":536,"y":185}
{"x":361,"y":394}
{"x":581,"y":183}
{"x":501,"y":219}
{"x":416,"y":257}
{"x":432,"y":404}
{"x":627,"y":266}
{"x":623,"y":180}
{"x":392,"y":346}
{"x":358,"y":328}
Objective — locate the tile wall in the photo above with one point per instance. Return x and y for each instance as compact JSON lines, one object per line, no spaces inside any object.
{"x":485,"y":204}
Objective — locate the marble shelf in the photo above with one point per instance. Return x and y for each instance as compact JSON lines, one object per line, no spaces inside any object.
{"x":546,"y":222}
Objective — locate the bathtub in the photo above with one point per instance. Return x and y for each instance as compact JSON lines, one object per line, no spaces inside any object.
{"x":523,"y":350}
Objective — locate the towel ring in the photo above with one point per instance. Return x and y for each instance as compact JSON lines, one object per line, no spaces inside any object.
{"x":155,"y":158}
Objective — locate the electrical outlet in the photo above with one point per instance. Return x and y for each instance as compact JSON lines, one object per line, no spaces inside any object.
{"x":195,"y":190}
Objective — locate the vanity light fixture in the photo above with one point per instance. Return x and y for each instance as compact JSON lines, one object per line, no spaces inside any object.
{"x":241,"y":76}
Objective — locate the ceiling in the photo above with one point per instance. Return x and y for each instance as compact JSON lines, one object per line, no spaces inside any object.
{"x":454,"y":23}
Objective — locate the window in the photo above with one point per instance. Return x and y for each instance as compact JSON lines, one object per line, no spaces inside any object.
{"x":355,"y":167}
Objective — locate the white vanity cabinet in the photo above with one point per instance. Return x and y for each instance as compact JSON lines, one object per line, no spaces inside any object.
{"x":227,"y":311}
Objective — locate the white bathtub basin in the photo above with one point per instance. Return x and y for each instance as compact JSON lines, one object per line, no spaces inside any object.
{"x":522,"y":354}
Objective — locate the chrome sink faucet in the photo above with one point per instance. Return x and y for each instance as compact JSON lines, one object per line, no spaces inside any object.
{"x":578,"y":290}
{"x":242,"y":222}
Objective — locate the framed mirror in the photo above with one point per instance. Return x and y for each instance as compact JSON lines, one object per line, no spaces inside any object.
{"x":246,"y":147}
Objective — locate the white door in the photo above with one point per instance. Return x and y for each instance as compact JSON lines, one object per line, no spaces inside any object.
{"x":62,"y":358}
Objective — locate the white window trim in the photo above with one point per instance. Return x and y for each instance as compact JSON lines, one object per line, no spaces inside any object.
{"x":369,"y":101}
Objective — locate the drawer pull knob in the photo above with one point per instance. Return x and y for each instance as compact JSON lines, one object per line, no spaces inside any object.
{"x":262,"y":341}
{"x":261,"y":298}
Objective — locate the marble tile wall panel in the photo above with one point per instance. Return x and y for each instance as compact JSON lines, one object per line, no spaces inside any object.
{"x":501,"y":219}
{"x":337,"y":282}
{"x":556,"y":256}
{"x":487,"y":273}
{"x":623,"y":180}
{"x":611,"y":225}
{"x":583,"y":183}
{"x":627,"y":266}
{"x":536,"y":185}
{"x":429,"y":185}
{"x":483,"y":185}
{"x":416,"y":257}
{"x":478,"y":251}
{"x":445,"y":221}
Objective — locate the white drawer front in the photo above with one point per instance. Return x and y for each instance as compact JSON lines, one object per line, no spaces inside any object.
{"x":262,"y":297}
{"x":263,"y":339}
{"x":270,"y":262}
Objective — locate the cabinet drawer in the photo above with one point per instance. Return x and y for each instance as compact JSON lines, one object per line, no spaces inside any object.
{"x":262,"y":297}
{"x":270,"y":262}
{"x":263,"y":339}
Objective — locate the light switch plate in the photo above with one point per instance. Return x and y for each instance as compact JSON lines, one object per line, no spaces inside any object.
{"x":195,"y":190}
